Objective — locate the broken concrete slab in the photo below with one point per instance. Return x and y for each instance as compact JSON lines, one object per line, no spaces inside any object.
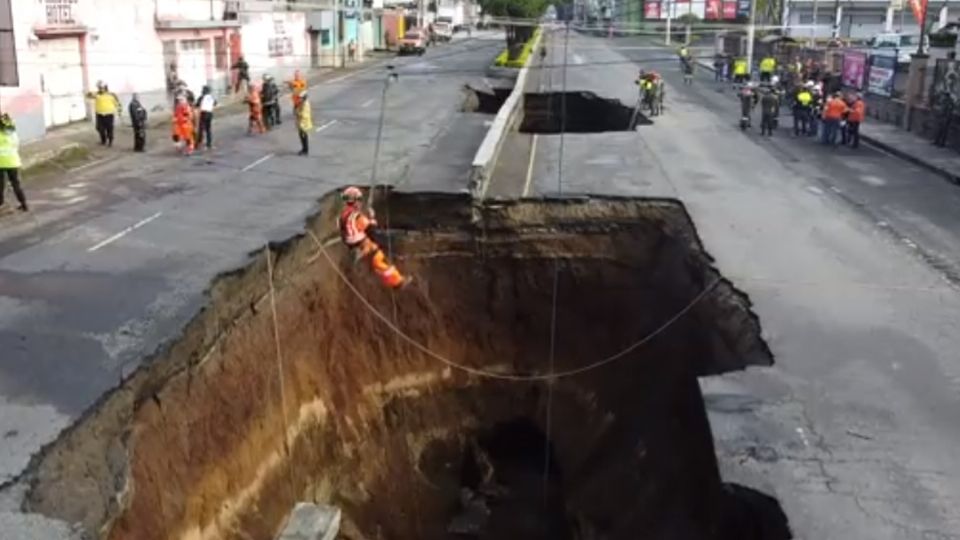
{"x":309,"y":521}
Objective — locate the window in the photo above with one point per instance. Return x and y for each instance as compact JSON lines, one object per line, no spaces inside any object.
{"x":8,"y":49}
{"x":325,"y":37}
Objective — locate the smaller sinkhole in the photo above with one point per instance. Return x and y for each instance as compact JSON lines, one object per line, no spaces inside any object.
{"x":585,"y":113}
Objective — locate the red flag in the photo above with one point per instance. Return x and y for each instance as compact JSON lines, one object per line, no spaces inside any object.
{"x":919,"y":8}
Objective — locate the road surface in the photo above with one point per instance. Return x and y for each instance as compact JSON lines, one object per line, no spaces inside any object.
{"x":116,"y":257}
{"x":851,"y":258}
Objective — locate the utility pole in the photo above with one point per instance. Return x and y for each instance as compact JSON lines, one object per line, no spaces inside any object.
{"x":813,"y":31}
{"x":751,"y":34}
{"x":836,"y":19}
{"x":669,"y":6}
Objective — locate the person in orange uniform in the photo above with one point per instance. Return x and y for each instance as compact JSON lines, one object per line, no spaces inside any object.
{"x":833,"y":111}
{"x":355,"y":224}
{"x":858,"y":110}
{"x":255,"y":123}
{"x":297,"y":85}
{"x":183,"y":125}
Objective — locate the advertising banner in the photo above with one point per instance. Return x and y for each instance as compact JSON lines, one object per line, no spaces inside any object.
{"x":854,"y":68}
{"x":651,"y":10}
{"x":729,"y":10}
{"x":712,"y":10}
{"x":881,"y":73}
{"x":743,"y":8}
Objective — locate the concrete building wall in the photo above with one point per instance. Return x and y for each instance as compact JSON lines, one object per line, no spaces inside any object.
{"x":25,"y":102}
{"x":275,"y":42}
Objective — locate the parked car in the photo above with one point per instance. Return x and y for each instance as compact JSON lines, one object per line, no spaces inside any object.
{"x":443,"y":31}
{"x":413,"y":41}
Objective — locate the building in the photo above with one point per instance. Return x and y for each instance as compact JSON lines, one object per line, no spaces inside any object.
{"x":862,"y":19}
{"x":62,"y":48}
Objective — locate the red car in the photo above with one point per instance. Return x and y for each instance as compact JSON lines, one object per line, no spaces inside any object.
{"x":414,"y":41}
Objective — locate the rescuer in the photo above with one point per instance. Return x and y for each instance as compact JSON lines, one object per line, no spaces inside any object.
{"x":741,"y":72}
{"x":355,"y":225}
{"x":802,"y":102}
{"x":255,"y":121}
{"x":296,"y":85}
{"x":767,"y":66}
{"x":183,"y":132}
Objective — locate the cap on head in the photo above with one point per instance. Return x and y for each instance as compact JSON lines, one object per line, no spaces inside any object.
{"x":351,"y":194}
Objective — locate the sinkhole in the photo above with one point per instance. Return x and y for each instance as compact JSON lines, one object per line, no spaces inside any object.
{"x":347,"y":395}
{"x":585,"y":113}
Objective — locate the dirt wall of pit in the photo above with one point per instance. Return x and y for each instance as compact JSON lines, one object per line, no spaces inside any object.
{"x":204,"y":441}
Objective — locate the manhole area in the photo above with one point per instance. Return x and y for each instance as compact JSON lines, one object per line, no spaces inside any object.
{"x":585,"y":113}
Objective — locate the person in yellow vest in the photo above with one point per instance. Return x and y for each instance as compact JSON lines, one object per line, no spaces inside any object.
{"x":741,"y":72}
{"x":767,"y":66}
{"x":105,"y":106}
{"x":802,"y":105}
{"x":304,"y":122}
{"x":10,"y":160}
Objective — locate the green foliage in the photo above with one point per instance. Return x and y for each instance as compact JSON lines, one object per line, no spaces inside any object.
{"x":504,"y":60}
{"x":688,"y":18}
{"x":522,"y":9}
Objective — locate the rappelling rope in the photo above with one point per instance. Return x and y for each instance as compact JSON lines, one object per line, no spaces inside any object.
{"x":505,"y":376}
{"x":279,"y":357}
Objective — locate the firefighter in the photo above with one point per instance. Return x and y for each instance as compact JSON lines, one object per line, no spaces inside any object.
{"x":255,"y":122}
{"x":183,"y":132}
{"x":296,"y":85}
{"x":355,"y":227}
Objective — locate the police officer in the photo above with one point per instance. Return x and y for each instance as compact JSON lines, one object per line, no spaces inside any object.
{"x":106,"y":105}
{"x":10,"y":160}
{"x":741,"y":71}
{"x":138,"y":118}
{"x":802,"y":101}
{"x":769,"y":107}
{"x":767,"y":66}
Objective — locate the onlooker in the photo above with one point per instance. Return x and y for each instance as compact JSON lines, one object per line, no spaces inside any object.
{"x":855,"y":116}
{"x":243,"y":74}
{"x":718,"y":67}
{"x":138,"y":118}
{"x":304,"y":122}
{"x":206,"y":102}
{"x":10,"y":160}
{"x":105,"y":105}
{"x":946,"y":107}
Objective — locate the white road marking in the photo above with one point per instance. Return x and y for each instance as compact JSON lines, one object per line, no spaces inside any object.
{"x":88,"y":165}
{"x":815,"y":189}
{"x":803,"y":437}
{"x":77,"y":185}
{"x":325,"y":126}
{"x":125,"y":232}
{"x":257,"y":162}
{"x":533,"y":157}
{"x":875,"y":181}
{"x":367,"y":103}
{"x":577,"y":59}
{"x":76,"y":200}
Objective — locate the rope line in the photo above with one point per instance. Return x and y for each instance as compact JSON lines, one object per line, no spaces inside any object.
{"x":505,"y":376}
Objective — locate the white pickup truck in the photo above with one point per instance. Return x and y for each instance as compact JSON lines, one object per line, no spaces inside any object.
{"x":442,"y":31}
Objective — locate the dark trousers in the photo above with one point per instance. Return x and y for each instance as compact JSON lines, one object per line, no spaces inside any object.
{"x":139,"y":138}
{"x":105,"y":128}
{"x":801,"y":121}
{"x":241,"y":79}
{"x":943,"y":131}
{"x":830,"y":129}
{"x":205,"y":132}
{"x":765,"y":76}
{"x":766,"y":123}
{"x":851,"y":134}
{"x":304,"y":142}
{"x":14,"y":176}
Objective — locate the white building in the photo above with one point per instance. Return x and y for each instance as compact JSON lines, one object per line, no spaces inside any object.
{"x":63,"y":47}
{"x":863,"y":18}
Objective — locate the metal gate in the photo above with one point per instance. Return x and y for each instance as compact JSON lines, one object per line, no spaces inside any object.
{"x":61,"y":80}
{"x":192,"y":63}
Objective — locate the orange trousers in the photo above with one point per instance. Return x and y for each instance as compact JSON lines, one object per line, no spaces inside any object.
{"x":381,"y":266}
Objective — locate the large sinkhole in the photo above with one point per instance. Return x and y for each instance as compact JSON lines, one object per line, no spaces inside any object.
{"x":221,"y":433}
{"x":585,"y":113}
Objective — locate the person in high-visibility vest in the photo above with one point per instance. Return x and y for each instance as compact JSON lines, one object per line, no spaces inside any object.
{"x":10,"y":160}
{"x":802,"y":102}
{"x":741,"y":72}
{"x":106,"y":104}
{"x":355,"y":225}
{"x":767,"y":66}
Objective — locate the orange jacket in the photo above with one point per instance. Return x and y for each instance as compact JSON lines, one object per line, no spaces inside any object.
{"x":353,"y":225}
{"x":857,"y":112}
{"x":835,"y":109}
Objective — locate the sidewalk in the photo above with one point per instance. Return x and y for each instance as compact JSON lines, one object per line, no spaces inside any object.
{"x":903,"y":144}
{"x":71,"y":145}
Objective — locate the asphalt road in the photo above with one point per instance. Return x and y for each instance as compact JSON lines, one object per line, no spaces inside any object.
{"x":115,"y":258}
{"x":851,"y":258}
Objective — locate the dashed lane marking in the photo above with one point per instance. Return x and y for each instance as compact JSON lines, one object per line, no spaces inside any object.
{"x":125,"y":232}
{"x":533,"y":157}
{"x":367,"y":103}
{"x":325,"y":126}
{"x":257,"y":162}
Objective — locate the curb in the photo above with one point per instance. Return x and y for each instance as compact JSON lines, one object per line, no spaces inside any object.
{"x":950,"y":176}
{"x":46,"y":156}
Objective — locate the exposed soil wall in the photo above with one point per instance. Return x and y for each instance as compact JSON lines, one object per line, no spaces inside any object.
{"x":205,"y":442}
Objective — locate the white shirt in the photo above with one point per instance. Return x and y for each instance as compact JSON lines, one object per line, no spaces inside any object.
{"x":207,"y":103}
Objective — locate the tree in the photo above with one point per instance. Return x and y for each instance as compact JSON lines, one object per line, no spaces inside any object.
{"x":517,"y":34}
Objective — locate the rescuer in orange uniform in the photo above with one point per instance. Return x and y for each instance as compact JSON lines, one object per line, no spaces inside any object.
{"x":183,"y":124}
{"x":255,"y":123}
{"x":297,"y":85}
{"x":354,"y":225}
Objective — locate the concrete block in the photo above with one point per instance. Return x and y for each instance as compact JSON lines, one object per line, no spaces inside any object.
{"x":309,"y":521}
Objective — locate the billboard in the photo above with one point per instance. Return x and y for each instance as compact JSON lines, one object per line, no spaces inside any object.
{"x":883,"y":67}
{"x":854,"y":68}
{"x":729,"y":10}
{"x":713,"y":10}
{"x":651,"y":10}
{"x":743,"y":8}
